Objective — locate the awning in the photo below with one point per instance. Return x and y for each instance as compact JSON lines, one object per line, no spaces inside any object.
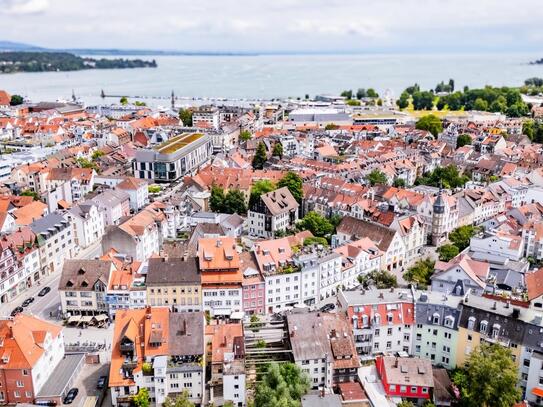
{"x":101,"y":317}
{"x":537,"y":391}
{"x":86,"y":318}
{"x":73,"y":319}
{"x":237,"y":315}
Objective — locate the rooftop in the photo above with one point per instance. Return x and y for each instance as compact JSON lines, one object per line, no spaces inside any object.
{"x":177,"y":143}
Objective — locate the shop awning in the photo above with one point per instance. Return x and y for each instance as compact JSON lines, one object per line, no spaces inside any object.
{"x":86,"y":318}
{"x":237,"y":315}
{"x":74,"y":319}
{"x":101,"y":317}
{"x":537,"y":391}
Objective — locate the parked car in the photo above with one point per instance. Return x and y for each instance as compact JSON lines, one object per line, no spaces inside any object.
{"x":16,"y":311}
{"x":328,"y":307}
{"x":44,"y":291}
{"x":102,"y":380}
{"x":28,"y":301}
{"x":70,"y":397}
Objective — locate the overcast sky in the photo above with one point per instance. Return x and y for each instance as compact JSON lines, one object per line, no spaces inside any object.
{"x":277,"y":25}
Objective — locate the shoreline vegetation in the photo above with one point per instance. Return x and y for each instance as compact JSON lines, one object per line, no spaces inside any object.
{"x":13,"y":62}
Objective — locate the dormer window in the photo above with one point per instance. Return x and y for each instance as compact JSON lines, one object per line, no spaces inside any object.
{"x":483,"y":327}
{"x":449,"y":321}
{"x":435,"y":318}
{"x":496,"y":331}
{"x":81,"y":271}
{"x":471,"y":323}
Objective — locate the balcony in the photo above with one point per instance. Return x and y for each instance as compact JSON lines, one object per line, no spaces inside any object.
{"x":127,"y":347}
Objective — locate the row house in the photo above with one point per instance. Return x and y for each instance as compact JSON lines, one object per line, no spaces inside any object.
{"x":137,"y":190}
{"x":332,"y":359}
{"x":219,"y":265}
{"x":115,"y":205}
{"x":88,"y":222}
{"x":440,"y":216}
{"x":254,"y":288}
{"x":160,"y":351}
{"x":532,"y":240}
{"x":363,"y":256}
{"x":412,"y":231}
{"x":83,"y":287}
{"x":478,"y":205}
{"x":30,"y":349}
{"x":460,"y":275}
{"x":11,"y":281}
{"x":382,"y":320}
{"x":56,"y":241}
{"x":81,"y":180}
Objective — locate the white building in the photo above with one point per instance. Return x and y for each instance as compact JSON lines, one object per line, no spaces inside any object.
{"x":88,"y":222}
{"x":273,"y":212}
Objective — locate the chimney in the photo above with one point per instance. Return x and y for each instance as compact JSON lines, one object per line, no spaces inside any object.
{"x":219,"y":243}
{"x":381,"y":296}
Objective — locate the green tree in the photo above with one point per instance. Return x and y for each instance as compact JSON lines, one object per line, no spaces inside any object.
{"x":245,"y":135}
{"x":403,"y":101}
{"x":489,"y":378}
{"x":347,"y":94}
{"x":316,"y":224}
{"x":420,"y":272}
{"x":461,"y":236}
{"x":216,"y":200}
{"x":447,"y":252}
{"x":29,"y":192}
{"x":86,"y":163}
{"x":480,"y":104}
{"x":186,"y":116}
{"x":412,"y":89}
{"x":331,"y":126}
{"x":260,"y":157}
{"x":123,"y":101}
{"x":255,"y":323}
{"x":277,"y":150}
{"x":361,"y":93}
{"x":234,"y":202}
{"x":381,"y":279}
{"x":463,"y":140}
{"x":399,"y":183}
{"x":182,"y":400}
{"x":430,"y":123}
{"x":371,"y":93}
{"x":353,"y":102}
{"x":405,"y":403}
{"x":97,"y":154}
{"x":16,"y":100}
{"x":154,"y":189}
{"x":315,"y":240}
{"x":376,"y":177}
{"x":260,"y":187}
{"x":448,"y":177}
{"x":423,"y":100}
{"x":282,"y":385}
{"x":142,"y":398}
{"x":294,"y":183}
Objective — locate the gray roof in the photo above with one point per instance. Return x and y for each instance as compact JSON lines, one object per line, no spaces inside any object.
{"x":374,"y":296}
{"x":54,"y":220}
{"x":279,"y":201}
{"x":315,"y":400}
{"x":173,"y":272}
{"x":111,"y":197}
{"x":59,"y":380}
{"x":186,"y":333}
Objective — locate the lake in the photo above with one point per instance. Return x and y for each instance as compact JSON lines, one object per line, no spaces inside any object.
{"x":276,"y":76}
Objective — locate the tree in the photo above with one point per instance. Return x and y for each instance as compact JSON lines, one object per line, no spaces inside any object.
{"x":316,"y":224}
{"x":255,"y":323}
{"x":282,"y":385}
{"x":245,"y":135}
{"x":86,"y":163}
{"x":447,"y":252}
{"x":16,"y":100}
{"x":423,"y":100}
{"x":420,"y":272}
{"x":260,"y":157}
{"x":461,"y":236}
{"x":260,"y":187}
{"x":216,"y":200}
{"x":463,"y":140}
{"x":234,"y":202}
{"x":489,"y":378}
{"x":361,"y":93}
{"x":294,"y":183}
{"x":377,"y":177}
{"x":430,"y":123}
{"x":399,"y":183}
{"x":154,"y":189}
{"x":315,"y":240}
{"x":123,"y":101}
{"x":353,"y":102}
{"x":181,"y":400}
{"x":348,"y":94}
{"x":142,"y":398}
{"x":405,"y":403}
{"x":451,"y":84}
{"x":97,"y":154}
{"x":371,"y":93}
{"x":186,"y":117}
{"x":480,"y":104}
{"x":29,"y":192}
{"x":448,"y":177}
{"x":331,"y":126}
{"x":403,"y":101}
{"x":412,"y":89}
{"x":277,"y":150}
{"x":381,"y":279}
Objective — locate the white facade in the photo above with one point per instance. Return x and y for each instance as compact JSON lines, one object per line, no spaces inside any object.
{"x":234,"y":388}
{"x":88,"y":226}
{"x":48,"y":361}
{"x":222,"y":301}
{"x":497,"y":248}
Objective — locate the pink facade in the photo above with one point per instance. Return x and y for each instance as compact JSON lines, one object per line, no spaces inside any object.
{"x":254,"y":295}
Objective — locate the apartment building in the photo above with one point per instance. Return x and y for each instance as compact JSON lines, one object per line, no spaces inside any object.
{"x":88,"y":222}
{"x":161,"y":351}
{"x":382,"y":320}
{"x":174,"y":283}
{"x":273,"y":212}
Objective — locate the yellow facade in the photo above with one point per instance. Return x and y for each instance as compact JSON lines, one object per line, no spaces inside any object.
{"x":469,"y":340}
{"x":182,"y":296}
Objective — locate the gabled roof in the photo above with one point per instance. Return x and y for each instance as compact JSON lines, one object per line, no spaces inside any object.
{"x":279,"y":201}
{"x":534,"y":284}
{"x":82,"y":275}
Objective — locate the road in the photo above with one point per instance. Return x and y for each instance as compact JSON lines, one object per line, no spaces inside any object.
{"x":48,"y":305}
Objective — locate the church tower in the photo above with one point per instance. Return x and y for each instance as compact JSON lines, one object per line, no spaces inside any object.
{"x":438,"y":219}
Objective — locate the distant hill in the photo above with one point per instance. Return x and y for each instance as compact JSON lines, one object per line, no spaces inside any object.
{"x":18,"y":46}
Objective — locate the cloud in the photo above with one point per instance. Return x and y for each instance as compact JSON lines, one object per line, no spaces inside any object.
{"x":23,"y":7}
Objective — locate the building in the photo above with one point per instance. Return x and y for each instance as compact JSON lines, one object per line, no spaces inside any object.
{"x":323,"y":347}
{"x":382,"y":320}
{"x":161,"y":351}
{"x":174,"y":283}
{"x":206,"y":117}
{"x":460,"y":276}
{"x":219,"y":264}
{"x":436,"y":327}
{"x":273,"y":212}
{"x":115,"y":204}
{"x":56,"y":241}
{"x":173,"y":159}
{"x":137,"y":190}
{"x":88,"y":221}
{"x":31,"y":350}
{"x":83,"y":285}
{"x":408,"y":378}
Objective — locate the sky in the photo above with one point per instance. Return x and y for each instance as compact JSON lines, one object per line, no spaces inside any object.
{"x":277,"y":25}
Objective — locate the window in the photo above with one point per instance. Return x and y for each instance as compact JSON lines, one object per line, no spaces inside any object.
{"x":392,"y":387}
{"x":435,"y":318}
{"x":389,"y":331}
{"x":376,"y":332}
{"x":413,"y":389}
{"x":471,"y":323}
{"x":425,"y":390}
{"x":20,"y":383}
{"x":483,"y":326}
{"x":403,"y":389}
